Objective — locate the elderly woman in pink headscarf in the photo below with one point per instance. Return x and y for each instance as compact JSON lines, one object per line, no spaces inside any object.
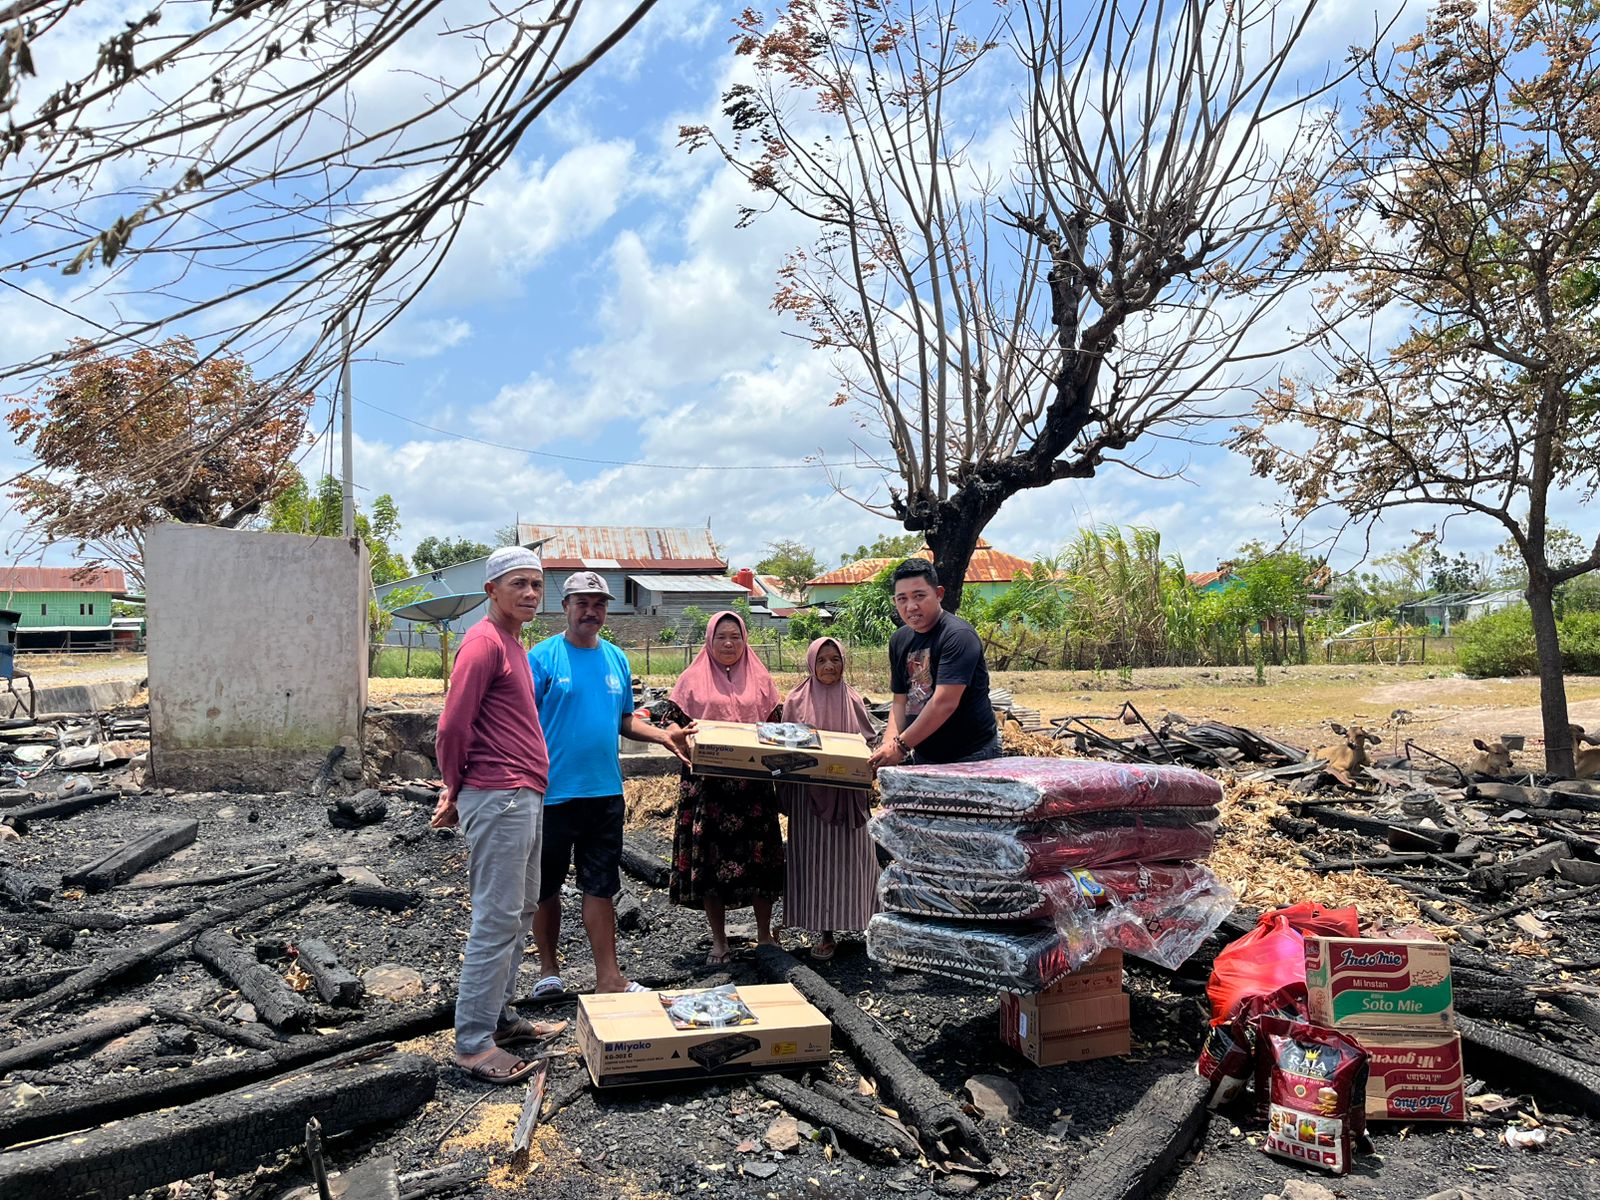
{"x":833,"y":867}
{"x":727,"y":849}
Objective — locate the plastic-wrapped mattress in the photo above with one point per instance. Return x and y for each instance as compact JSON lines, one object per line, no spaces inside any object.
{"x":1159,"y":912}
{"x":953,"y":845}
{"x":1019,"y":957}
{"x":1032,"y":788}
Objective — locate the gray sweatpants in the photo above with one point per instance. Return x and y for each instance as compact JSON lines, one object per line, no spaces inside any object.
{"x":502,"y":829}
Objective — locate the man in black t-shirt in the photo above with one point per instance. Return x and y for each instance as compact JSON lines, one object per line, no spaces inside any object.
{"x":939,"y":679}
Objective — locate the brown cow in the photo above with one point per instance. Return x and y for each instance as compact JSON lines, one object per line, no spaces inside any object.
{"x":1494,"y":758}
{"x":1350,"y":754}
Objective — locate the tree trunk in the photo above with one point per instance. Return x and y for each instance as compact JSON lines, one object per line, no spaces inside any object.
{"x":1552,"y":679}
{"x":952,"y":542}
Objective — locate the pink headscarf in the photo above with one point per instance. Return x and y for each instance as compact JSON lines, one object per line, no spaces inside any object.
{"x":708,"y":691}
{"x":837,"y":707}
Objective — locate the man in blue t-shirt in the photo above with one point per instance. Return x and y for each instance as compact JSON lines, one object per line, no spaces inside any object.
{"x":583,"y":686}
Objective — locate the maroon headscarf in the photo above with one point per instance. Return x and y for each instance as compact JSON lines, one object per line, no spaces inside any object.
{"x":708,"y":691}
{"x":837,"y":707}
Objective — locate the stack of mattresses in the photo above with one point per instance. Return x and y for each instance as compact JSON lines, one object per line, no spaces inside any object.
{"x":1018,"y":871}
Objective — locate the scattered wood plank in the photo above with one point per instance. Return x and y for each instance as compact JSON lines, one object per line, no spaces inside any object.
{"x":354,"y":812}
{"x":420,"y":1184}
{"x":1373,"y":827}
{"x":1493,"y":1053}
{"x":46,"y":1048}
{"x":225,"y":1134}
{"x":644,"y":864}
{"x":133,"y":856}
{"x":244,"y":873}
{"x":335,"y":983}
{"x":874,"y":1140}
{"x":532,"y":1110}
{"x":117,"y":963}
{"x":63,"y":806}
{"x":922,"y":1102}
{"x":20,"y":987}
{"x":1146,"y":1144}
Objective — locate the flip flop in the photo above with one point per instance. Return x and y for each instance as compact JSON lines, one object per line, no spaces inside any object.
{"x":524,"y":1030}
{"x":636,"y":987}
{"x":550,"y":985}
{"x":484,"y":1073}
{"x":719,"y":960}
{"x":823,"y":951}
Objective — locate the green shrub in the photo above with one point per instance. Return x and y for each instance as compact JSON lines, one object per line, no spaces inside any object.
{"x":694,"y":624}
{"x":1502,"y":643}
{"x":1580,"y":643}
{"x":1499,"y":643}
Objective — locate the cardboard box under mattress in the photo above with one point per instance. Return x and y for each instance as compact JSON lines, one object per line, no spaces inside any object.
{"x":1413,"y":1075}
{"x":1378,"y":982}
{"x":1050,"y":1031}
{"x":736,"y":750}
{"x":627,"y":1037}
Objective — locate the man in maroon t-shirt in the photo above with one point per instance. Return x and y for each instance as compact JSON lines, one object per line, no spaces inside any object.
{"x":492,"y":756}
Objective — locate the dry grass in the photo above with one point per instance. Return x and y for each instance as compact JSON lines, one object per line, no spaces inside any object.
{"x":427,"y":691}
{"x":649,"y":800}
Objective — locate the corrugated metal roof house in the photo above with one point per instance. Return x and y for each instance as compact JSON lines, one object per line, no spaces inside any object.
{"x":61,"y":606}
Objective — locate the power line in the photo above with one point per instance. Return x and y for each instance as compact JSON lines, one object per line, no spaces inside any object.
{"x":598,"y":462}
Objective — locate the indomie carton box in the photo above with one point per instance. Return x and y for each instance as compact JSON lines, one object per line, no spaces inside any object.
{"x":1414,"y":1075}
{"x":1378,"y":982}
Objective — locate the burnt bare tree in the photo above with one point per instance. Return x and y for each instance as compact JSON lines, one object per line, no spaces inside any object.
{"x":1045,"y":231}
{"x":1466,"y":218}
{"x":205,"y":166}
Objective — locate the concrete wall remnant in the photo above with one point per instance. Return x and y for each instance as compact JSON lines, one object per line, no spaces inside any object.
{"x":258,"y":655}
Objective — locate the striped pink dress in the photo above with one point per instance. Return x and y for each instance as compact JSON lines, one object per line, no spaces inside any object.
{"x":832,"y":864}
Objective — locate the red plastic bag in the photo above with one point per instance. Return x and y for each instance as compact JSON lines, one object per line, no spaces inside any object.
{"x":1272,"y":956}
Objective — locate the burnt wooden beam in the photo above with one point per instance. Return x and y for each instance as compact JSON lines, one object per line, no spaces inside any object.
{"x":1526,"y":1065}
{"x":241,"y":1035}
{"x":119,"y":962}
{"x":45,"y":1048}
{"x":20,"y":987}
{"x":372,"y":895}
{"x":133,"y":856}
{"x":63,"y":806}
{"x":23,"y":886}
{"x":1146,"y":1144}
{"x":921,"y":1102}
{"x":276,"y":1003}
{"x":644,"y":864}
{"x":1507,"y":873}
{"x":224,"y":1134}
{"x":126,"y":1095}
{"x":335,"y":983}
{"x":868,"y":1138}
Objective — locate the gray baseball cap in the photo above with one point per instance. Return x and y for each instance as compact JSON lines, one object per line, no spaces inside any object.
{"x":585,"y":583}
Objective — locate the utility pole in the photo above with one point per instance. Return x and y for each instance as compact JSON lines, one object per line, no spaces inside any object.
{"x":349,"y":438}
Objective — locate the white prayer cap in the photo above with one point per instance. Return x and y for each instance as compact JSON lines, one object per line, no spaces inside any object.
{"x":511,"y":558}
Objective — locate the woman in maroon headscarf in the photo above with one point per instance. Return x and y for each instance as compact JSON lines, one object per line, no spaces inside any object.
{"x":832,"y":866}
{"x":727,"y":849}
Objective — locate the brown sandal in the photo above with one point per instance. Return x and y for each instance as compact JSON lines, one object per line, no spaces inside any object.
{"x":524,"y":1030}
{"x":486,"y":1073}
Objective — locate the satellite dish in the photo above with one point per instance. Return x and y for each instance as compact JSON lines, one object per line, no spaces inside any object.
{"x":441,"y":610}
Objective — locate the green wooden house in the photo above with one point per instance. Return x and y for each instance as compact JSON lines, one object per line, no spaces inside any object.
{"x":61,"y":608}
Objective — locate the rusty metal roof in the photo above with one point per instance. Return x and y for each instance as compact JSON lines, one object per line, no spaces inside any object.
{"x":1204,"y":579}
{"x":987,"y":565}
{"x":630,"y":547}
{"x":62,"y":579}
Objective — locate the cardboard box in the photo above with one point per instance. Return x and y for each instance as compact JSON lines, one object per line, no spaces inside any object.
{"x":1102,"y":974}
{"x":1414,"y":1075}
{"x":627,"y":1037}
{"x":1093,"y":1026}
{"x":1378,"y":982}
{"x":731,"y":749}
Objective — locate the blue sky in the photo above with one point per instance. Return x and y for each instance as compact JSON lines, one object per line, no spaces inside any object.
{"x":600,"y":304}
